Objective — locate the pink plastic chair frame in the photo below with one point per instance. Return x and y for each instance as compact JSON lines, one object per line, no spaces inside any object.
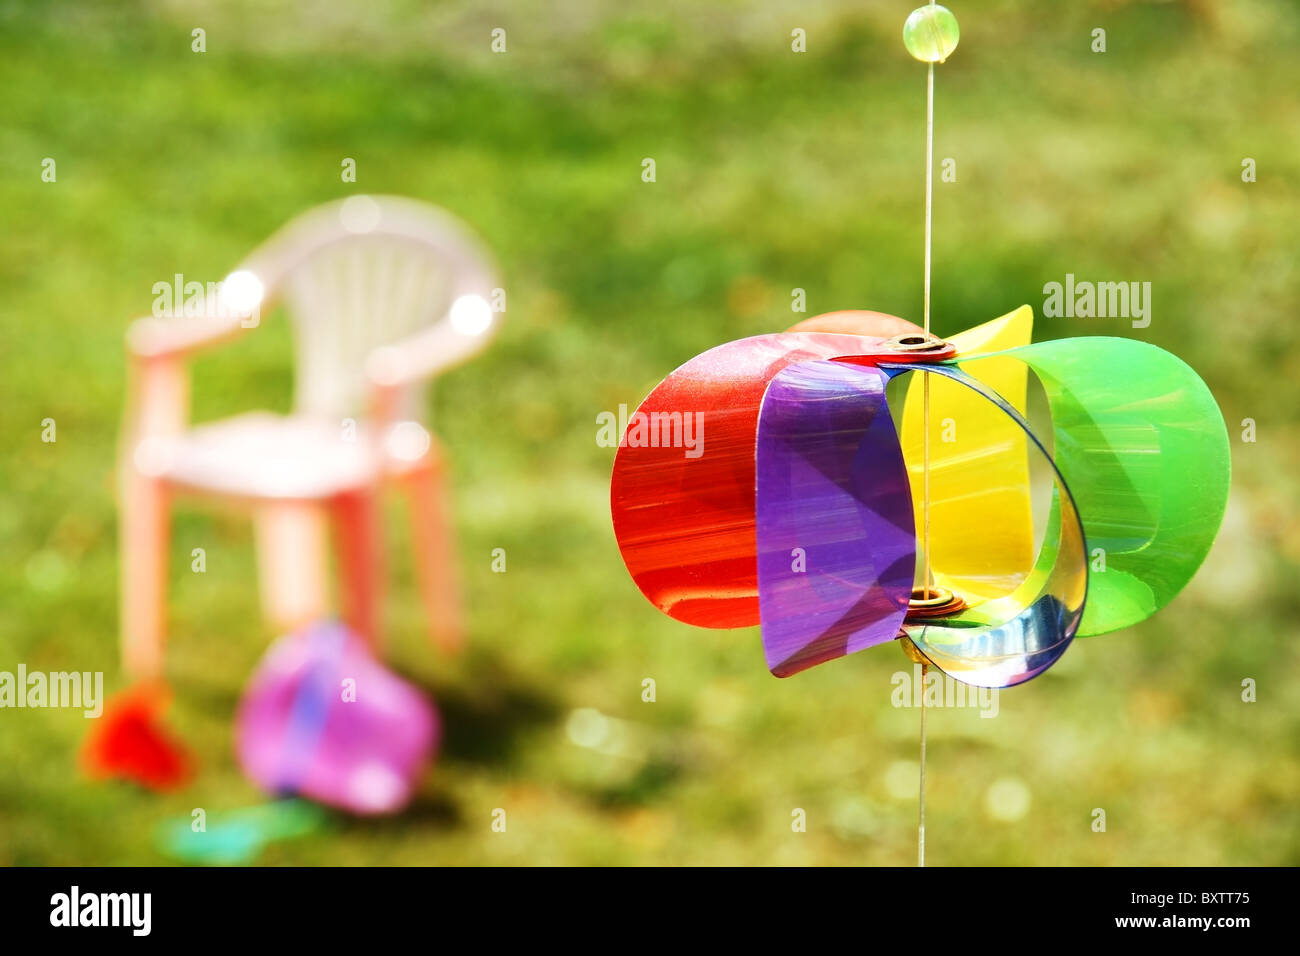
{"x":384,"y":294}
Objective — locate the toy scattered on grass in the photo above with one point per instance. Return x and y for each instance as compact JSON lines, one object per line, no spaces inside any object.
{"x":322,"y":718}
{"x":239,"y":836}
{"x":129,"y":741}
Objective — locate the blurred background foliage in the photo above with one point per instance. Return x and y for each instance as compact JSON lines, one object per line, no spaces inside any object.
{"x":775,"y":171}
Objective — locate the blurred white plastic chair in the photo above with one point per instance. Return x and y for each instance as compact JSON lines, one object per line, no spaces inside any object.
{"x":383,"y":294}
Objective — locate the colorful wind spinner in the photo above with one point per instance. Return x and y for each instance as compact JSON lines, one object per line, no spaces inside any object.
{"x":797,"y":505}
{"x":794,"y":504}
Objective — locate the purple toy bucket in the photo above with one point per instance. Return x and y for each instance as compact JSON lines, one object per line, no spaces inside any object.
{"x":323,"y":719}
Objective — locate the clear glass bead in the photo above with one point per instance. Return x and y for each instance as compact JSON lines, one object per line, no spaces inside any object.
{"x":930,"y":33}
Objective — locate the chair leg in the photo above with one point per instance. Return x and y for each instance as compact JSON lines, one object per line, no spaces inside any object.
{"x":291,"y":549}
{"x":436,"y":566}
{"x":360,"y":561}
{"x":143,"y":545}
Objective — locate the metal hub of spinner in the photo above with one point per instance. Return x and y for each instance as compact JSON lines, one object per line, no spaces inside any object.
{"x":933,"y":601}
{"x":919,"y":345}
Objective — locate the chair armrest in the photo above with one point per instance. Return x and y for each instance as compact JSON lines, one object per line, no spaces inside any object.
{"x":463,"y":331}
{"x":164,"y":338}
{"x":420,"y":357}
{"x":392,"y":369}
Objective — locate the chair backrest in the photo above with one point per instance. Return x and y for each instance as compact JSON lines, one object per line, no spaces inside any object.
{"x":359,"y":274}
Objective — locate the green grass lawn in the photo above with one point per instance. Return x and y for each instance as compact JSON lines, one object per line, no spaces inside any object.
{"x":775,"y":171}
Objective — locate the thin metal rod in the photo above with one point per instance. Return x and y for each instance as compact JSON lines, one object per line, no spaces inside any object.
{"x":925,"y":466}
{"x":929,"y":182}
{"x":920,"y":828}
{"x":925,"y":485}
{"x":925,"y":383}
